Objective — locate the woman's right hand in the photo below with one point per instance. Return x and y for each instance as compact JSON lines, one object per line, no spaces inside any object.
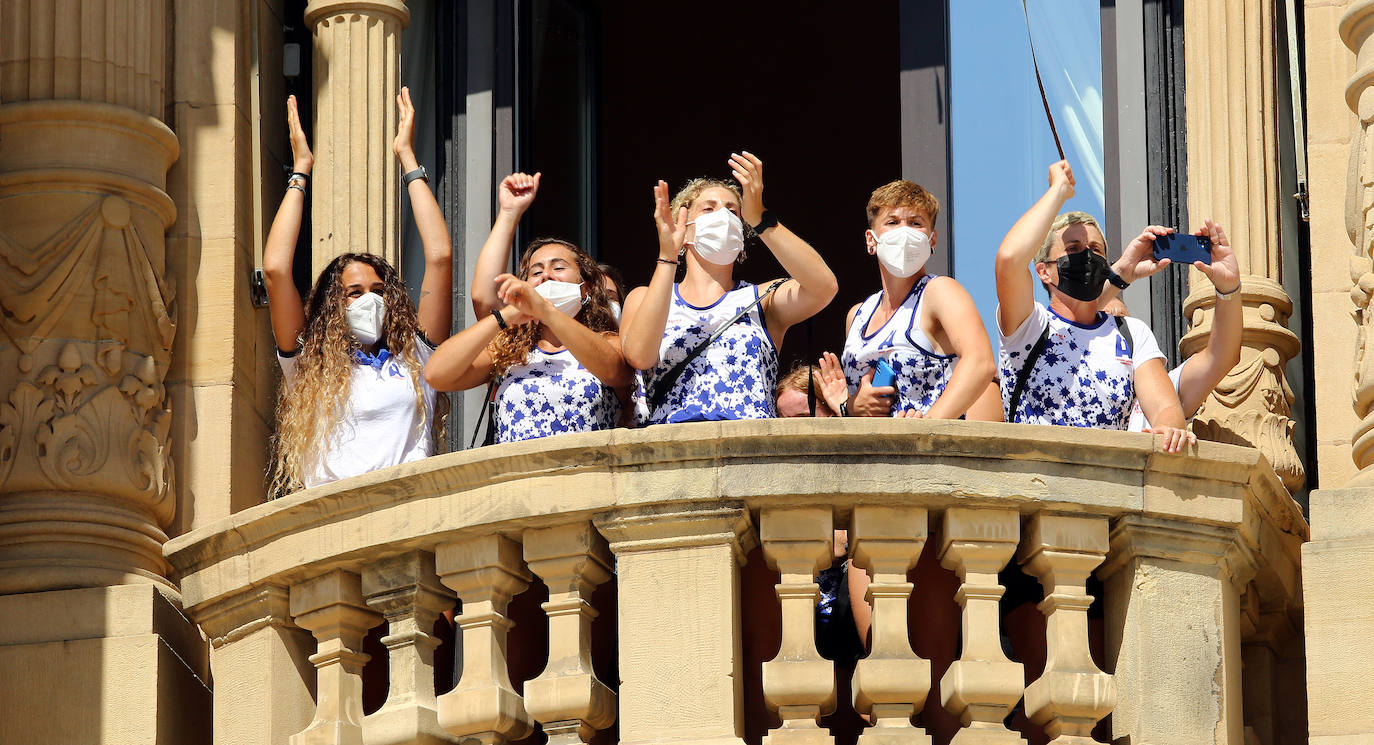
{"x":517,"y":192}
{"x":671,"y":232}
{"x":302,"y":160}
{"x":521,"y":298}
{"x":1062,"y":180}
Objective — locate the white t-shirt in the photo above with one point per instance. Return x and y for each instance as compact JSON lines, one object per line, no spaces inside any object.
{"x":1138,"y":420}
{"x":1084,"y":378}
{"x":378,"y":426}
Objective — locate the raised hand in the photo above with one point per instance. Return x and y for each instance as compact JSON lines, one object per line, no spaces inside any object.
{"x":404,"y":144}
{"x":1224,"y":271}
{"x":1061,"y":178}
{"x":671,"y":231}
{"x":521,"y":298}
{"x":302,"y":160}
{"x":1138,"y":258}
{"x":748,"y":171}
{"x":517,"y":192}
{"x":831,"y":384}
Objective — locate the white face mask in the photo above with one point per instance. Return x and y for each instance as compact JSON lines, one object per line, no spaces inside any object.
{"x":565,"y":296}
{"x":719,"y":236}
{"x":615,"y":312}
{"x":366,"y":315}
{"x":903,"y":250}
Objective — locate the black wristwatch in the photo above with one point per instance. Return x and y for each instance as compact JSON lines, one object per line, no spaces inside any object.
{"x":768,"y":220}
{"x":1117,"y":281}
{"x":844,"y":408}
{"x":412,"y":175}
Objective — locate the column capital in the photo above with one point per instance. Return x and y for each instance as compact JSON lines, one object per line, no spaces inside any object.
{"x":231,"y":618}
{"x":715,"y":522}
{"x":1138,"y":536}
{"x":315,"y":10}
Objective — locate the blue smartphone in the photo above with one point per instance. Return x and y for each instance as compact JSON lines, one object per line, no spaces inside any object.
{"x":883,"y":374}
{"x":1182,"y":248}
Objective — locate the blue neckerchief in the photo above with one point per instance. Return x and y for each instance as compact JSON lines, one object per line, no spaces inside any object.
{"x":375,"y":362}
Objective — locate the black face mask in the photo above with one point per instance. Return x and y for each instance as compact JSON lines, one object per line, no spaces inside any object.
{"x":1081,"y":274}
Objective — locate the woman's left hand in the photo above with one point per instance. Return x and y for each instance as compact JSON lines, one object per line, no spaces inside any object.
{"x":518,"y":294}
{"x":1174,"y":438}
{"x":748,"y":171}
{"x":404,"y":144}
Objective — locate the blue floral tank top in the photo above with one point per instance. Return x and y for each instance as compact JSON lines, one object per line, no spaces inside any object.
{"x":734,"y":378}
{"x":550,"y":394}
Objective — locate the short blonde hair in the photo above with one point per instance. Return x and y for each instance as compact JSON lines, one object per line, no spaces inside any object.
{"x":692,"y":189}
{"x":902,"y":193}
{"x":1064,"y":221}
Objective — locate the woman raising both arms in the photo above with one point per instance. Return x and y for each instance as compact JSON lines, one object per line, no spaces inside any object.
{"x":733,"y":377}
{"x":353,"y":398}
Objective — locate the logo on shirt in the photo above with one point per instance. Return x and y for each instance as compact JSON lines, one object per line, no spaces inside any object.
{"x":1123,"y":352}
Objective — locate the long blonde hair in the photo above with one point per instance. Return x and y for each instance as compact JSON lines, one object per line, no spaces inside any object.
{"x":512,"y":346}
{"x":310,"y":407}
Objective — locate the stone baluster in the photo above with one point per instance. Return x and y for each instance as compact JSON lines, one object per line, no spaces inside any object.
{"x":567,"y":699}
{"x":331,"y":607}
{"x":1233,"y":178}
{"x":799,"y":683}
{"x":1173,"y":630}
{"x":982,"y":685}
{"x":486,"y":572}
{"x":677,"y":568}
{"x":357,"y":74}
{"x":257,"y":653}
{"x":891,"y":684}
{"x":1072,"y":694}
{"x":409,"y":595}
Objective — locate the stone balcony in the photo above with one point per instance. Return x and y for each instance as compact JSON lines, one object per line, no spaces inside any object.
{"x":1195,"y":559}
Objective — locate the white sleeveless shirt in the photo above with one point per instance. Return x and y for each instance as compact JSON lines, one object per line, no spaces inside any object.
{"x":921,"y":373}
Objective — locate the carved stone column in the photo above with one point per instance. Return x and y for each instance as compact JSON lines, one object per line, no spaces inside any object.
{"x":1233,"y":178}
{"x":982,"y":685}
{"x":678,"y":572}
{"x":1174,"y":631}
{"x":87,"y":322}
{"x":410,"y":596}
{"x":356,"y":193}
{"x":486,"y":572}
{"x":331,"y":607}
{"x":798,"y":683}
{"x":1357,"y":30}
{"x":569,"y":701}
{"x":1072,"y":694}
{"x":891,"y":683}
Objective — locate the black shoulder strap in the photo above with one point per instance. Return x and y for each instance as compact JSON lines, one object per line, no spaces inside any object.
{"x":1024,"y":373}
{"x":482,"y":417}
{"x":1126,"y":333}
{"x":669,"y":378}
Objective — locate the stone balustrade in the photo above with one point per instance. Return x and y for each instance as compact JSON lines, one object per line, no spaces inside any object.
{"x":1182,"y":545}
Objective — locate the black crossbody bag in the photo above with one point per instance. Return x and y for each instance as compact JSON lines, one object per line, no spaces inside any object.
{"x":669,"y":378}
{"x":1023,"y":375}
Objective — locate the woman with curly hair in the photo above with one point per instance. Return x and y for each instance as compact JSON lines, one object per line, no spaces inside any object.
{"x":353,"y":398}
{"x":552,"y":348}
{"x":704,"y":227}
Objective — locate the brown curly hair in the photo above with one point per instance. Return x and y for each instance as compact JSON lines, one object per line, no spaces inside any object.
{"x":512,"y":346}
{"x":309,"y":408}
